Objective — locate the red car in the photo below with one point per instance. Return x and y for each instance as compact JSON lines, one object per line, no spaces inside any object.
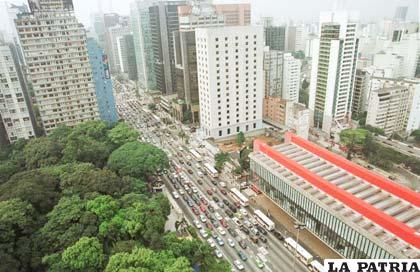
{"x":202,"y":208}
{"x":223,"y":223}
{"x":195,"y":210}
{"x":223,"y":191}
{"x":237,"y":204}
{"x":209,"y":225}
{"x":209,"y":191}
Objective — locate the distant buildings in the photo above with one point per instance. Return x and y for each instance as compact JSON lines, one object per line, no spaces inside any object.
{"x":291,"y":78}
{"x":163,"y":22}
{"x":275,"y":37}
{"x":143,"y":46}
{"x":127,"y":56}
{"x":103,"y":82}
{"x":57,"y":64}
{"x":112,"y":36}
{"x":333,"y":71}
{"x":230,"y":79}
{"x":394,"y":105}
{"x":15,"y":110}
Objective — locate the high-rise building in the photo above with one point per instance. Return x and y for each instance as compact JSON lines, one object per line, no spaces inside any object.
{"x":275,"y":37}
{"x":273,"y":72}
{"x":281,"y":75}
{"x":143,"y":47}
{"x":111,"y":47}
{"x":98,"y":25}
{"x":127,"y":56}
{"x":15,"y":110}
{"x":58,"y":64}
{"x":333,"y":70}
{"x":401,"y":13}
{"x":50,"y":5}
{"x":230,"y":79}
{"x":394,"y":105}
{"x":291,"y":78}
{"x":103,"y":82}
{"x":163,"y":22}
{"x":235,"y":14}
{"x":295,"y":37}
{"x":198,"y":14}
{"x":8,"y":14}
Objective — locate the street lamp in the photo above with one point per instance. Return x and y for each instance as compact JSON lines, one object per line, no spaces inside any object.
{"x":298,"y":226}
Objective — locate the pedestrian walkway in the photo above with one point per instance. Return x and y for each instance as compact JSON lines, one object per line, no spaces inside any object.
{"x":285,"y":224}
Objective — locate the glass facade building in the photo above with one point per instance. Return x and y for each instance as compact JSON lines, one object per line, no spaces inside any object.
{"x":103,"y":82}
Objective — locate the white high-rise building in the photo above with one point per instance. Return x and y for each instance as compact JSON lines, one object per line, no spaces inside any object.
{"x":291,"y":78}
{"x":14,"y":109}
{"x":230,"y":79}
{"x":55,"y":51}
{"x":333,"y":70}
{"x":112,"y":36}
{"x":394,"y":105}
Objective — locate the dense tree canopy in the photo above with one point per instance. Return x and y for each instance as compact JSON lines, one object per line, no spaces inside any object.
{"x":138,"y":160}
{"x":62,"y":209}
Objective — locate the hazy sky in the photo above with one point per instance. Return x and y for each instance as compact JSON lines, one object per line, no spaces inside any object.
{"x":297,"y":10}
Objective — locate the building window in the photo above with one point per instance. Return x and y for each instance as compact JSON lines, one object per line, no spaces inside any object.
{"x":228,"y":131}
{"x":220,"y":133}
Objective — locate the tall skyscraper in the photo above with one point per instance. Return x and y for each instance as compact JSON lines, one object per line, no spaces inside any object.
{"x":127,"y":56}
{"x":103,"y":82}
{"x":143,"y":48}
{"x":333,"y":70}
{"x":275,"y":37}
{"x":401,"y":13}
{"x":230,"y":79}
{"x":235,"y":14}
{"x":15,"y":111}
{"x":273,"y":72}
{"x":291,"y":78}
{"x":54,"y":47}
{"x":163,"y":22}
{"x":112,"y":35}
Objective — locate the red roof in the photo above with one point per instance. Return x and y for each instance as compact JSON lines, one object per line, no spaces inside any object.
{"x":377,"y":216}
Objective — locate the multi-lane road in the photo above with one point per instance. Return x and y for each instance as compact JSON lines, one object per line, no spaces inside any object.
{"x":272,"y":253}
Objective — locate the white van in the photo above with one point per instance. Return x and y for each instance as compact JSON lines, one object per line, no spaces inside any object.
{"x":200,"y":174}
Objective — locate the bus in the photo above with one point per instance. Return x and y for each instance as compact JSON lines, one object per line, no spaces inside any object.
{"x":196,"y":155}
{"x":210,"y":170}
{"x":316,"y":266}
{"x":239,"y":197}
{"x":263,"y":220}
{"x":303,"y":255}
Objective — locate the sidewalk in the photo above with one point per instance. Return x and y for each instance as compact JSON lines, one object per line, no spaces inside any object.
{"x":285,"y":224}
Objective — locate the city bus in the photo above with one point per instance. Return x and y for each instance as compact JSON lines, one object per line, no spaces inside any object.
{"x":303,"y":255}
{"x":196,"y":156}
{"x":263,"y":220}
{"x":210,"y":170}
{"x":239,"y":197}
{"x":316,"y":266}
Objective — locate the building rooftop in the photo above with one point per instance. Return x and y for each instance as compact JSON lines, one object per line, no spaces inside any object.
{"x":388,"y":213}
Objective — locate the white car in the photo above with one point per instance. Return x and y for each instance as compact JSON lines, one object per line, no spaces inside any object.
{"x":238,"y":264}
{"x":243,"y":212}
{"x":175,"y":194}
{"x":231,"y":243}
{"x":218,"y":254}
{"x":181,"y":192}
{"x":222,"y":184}
{"x":237,"y":221}
{"x":198,"y":167}
{"x":211,"y":243}
{"x":194,"y":189}
{"x":218,"y":216}
{"x":203,"y":218}
{"x":221,"y":231}
{"x":197,"y":224}
{"x":200,"y":174}
{"x":204,"y":233}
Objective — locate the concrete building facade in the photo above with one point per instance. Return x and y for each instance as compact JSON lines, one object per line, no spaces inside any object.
{"x":230,"y":79}
{"x":127,"y":56}
{"x":291,"y":78}
{"x":58,"y":66}
{"x":15,"y":111}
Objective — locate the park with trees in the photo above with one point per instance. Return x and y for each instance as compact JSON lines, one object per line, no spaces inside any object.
{"x":78,"y":200}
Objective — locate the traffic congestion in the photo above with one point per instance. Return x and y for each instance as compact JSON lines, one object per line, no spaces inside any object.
{"x":211,"y":205}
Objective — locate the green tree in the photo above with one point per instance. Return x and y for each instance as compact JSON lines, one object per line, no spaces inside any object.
{"x":39,"y":189}
{"x":304,"y":93}
{"x":41,"y":152}
{"x":18,"y":221}
{"x":87,"y":142}
{"x":122,"y":134}
{"x":220,"y":159}
{"x":240,"y":138}
{"x":60,"y":135}
{"x":66,"y":224}
{"x":180,"y":265}
{"x":138,"y":160}
{"x":416,"y":135}
{"x":374,"y":130}
{"x":7,"y":169}
{"x":151,"y":107}
{"x":104,"y":207}
{"x":85,"y":255}
{"x":298,"y":54}
{"x":103,"y":181}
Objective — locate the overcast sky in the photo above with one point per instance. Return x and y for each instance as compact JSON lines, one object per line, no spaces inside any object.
{"x":307,"y":10}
